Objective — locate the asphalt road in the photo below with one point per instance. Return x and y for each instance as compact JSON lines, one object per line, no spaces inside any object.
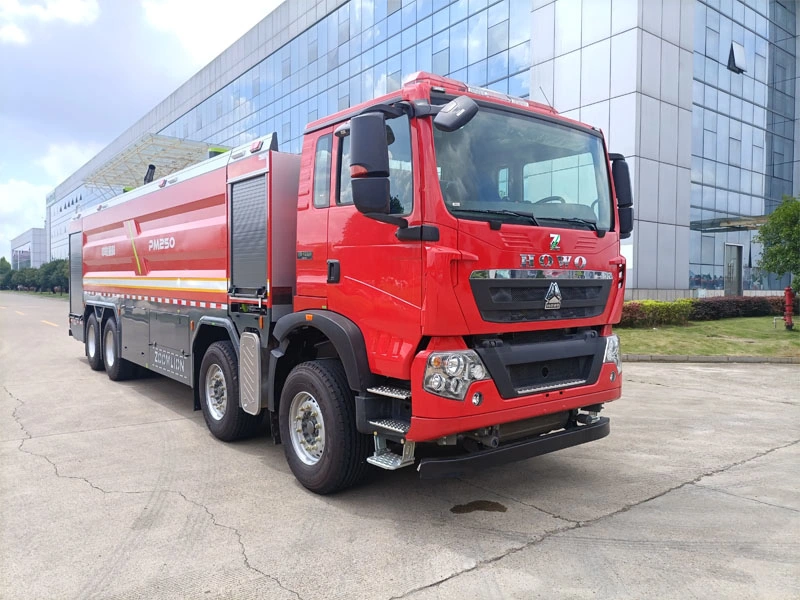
{"x":117,"y":490}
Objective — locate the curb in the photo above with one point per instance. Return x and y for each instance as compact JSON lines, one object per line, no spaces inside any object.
{"x":683,"y":358}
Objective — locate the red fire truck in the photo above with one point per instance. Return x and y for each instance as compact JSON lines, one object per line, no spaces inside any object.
{"x":433,"y":281}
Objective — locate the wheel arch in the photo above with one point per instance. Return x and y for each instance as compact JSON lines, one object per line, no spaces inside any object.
{"x":335,"y":334}
{"x":208,"y":331}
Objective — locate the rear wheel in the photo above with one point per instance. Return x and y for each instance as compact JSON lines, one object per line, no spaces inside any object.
{"x":93,"y":344}
{"x":117,"y":368}
{"x":219,"y":395}
{"x":324,"y":449}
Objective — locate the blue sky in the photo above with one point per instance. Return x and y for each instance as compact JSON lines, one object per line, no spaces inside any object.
{"x":74,"y":74}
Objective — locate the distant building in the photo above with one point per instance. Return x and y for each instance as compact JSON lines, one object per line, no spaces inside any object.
{"x":29,"y":249}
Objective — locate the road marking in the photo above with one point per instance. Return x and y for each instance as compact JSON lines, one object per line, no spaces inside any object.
{"x":49,"y":323}
{"x":19,"y":313}
{"x":3,"y":307}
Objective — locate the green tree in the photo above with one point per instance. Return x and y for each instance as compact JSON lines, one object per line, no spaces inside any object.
{"x":5,"y":280}
{"x":5,"y":266}
{"x":780,"y":237}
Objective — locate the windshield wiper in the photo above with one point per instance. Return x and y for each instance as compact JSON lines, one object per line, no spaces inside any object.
{"x":590,"y":224}
{"x":578,"y":221}
{"x":512,"y":213}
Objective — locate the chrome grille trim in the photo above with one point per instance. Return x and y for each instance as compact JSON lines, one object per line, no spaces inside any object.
{"x":512,"y":274}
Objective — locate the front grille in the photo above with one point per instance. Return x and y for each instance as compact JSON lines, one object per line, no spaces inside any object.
{"x":549,"y":374}
{"x":524,"y":365}
{"x":514,"y":301}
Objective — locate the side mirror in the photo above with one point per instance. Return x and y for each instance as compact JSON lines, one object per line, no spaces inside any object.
{"x":455,"y":114}
{"x":369,"y":163}
{"x":622,"y":186}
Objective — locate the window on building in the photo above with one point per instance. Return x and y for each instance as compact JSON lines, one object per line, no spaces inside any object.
{"x":736,"y":58}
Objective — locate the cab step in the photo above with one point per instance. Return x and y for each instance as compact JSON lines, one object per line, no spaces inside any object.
{"x":391,"y":461}
{"x":391,"y":392}
{"x":391,"y":426}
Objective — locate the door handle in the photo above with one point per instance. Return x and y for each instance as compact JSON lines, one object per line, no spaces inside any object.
{"x":334,"y":271}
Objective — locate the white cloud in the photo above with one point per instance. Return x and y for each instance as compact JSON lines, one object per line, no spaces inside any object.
{"x":62,"y":160}
{"x":11,"y":34}
{"x":22,"y":203}
{"x":203,"y":27}
{"x":22,"y":206}
{"x":15,"y":14}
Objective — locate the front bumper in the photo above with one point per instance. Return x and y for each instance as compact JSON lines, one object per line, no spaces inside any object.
{"x":434,"y":417}
{"x":434,"y":468}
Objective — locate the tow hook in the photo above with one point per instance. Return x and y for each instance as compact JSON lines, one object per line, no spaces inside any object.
{"x":588,"y":418}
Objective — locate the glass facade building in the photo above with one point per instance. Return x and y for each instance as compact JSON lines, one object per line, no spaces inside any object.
{"x":743,"y":133}
{"x":362,"y":50}
{"x":712,"y":149}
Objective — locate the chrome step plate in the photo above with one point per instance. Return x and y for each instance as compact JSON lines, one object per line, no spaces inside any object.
{"x":386,"y":459}
{"x":392,"y":425}
{"x":391,"y":392}
{"x":250,"y":373}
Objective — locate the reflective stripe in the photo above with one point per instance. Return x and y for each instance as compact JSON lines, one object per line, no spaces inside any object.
{"x":160,"y":283}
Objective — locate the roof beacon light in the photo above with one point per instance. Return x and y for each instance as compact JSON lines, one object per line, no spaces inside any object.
{"x":256,"y":146}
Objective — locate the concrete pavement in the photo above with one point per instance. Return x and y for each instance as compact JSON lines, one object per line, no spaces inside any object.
{"x":117,"y":490}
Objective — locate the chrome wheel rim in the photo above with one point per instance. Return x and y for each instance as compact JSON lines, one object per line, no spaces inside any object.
{"x":109,"y":348}
{"x":216,"y":392}
{"x":307,"y":428}
{"x":91,"y":343}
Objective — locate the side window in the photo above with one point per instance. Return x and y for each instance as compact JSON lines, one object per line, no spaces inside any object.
{"x":322,"y":172}
{"x":345,"y":187}
{"x":502,"y":182}
{"x":401,"y":181}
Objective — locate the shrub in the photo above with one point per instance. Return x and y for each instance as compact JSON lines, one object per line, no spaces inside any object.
{"x":653,"y":313}
{"x":728,"y":307}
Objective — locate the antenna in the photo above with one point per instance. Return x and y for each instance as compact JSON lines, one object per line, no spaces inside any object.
{"x":545,"y":97}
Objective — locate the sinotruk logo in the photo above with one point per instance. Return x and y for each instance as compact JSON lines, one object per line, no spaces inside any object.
{"x":555,"y":240}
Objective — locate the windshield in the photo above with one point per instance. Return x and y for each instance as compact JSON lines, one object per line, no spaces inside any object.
{"x":507,"y":167}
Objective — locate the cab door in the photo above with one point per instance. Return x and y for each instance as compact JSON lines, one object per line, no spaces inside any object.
{"x":314,"y":200}
{"x":374,"y":278}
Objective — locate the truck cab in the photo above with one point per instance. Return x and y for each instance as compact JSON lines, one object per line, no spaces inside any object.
{"x":470,"y":241}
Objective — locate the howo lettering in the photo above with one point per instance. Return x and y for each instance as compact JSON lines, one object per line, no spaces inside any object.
{"x":384,"y":293}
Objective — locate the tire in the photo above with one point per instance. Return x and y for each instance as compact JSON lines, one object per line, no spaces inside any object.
{"x":93,"y":344}
{"x":117,"y":368}
{"x":218,"y":384}
{"x":316,"y":393}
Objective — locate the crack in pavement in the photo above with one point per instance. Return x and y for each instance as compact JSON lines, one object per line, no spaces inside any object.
{"x":15,"y":417}
{"x":727,"y":493}
{"x":580,"y":524}
{"x":212,"y":516}
{"x":60,"y":433}
{"x":518,"y":501}
{"x":238,"y":535}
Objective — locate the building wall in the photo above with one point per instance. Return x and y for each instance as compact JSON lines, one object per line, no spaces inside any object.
{"x":28,"y":249}
{"x":743,"y":143}
{"x":645,"y":71}
{"x":362,"y":50}
{"x":61,"y":212}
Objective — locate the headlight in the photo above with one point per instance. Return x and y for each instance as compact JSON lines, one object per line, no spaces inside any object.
{"x":449,"y":374}
{"x":612,"y":351}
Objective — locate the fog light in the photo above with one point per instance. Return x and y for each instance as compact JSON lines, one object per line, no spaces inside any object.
{"x":613,"y":376}
{"x":436,"y":382}
{"x":477,"y":398}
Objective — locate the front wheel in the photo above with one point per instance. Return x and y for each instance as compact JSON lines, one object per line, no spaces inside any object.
{"x":324,"y":449}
